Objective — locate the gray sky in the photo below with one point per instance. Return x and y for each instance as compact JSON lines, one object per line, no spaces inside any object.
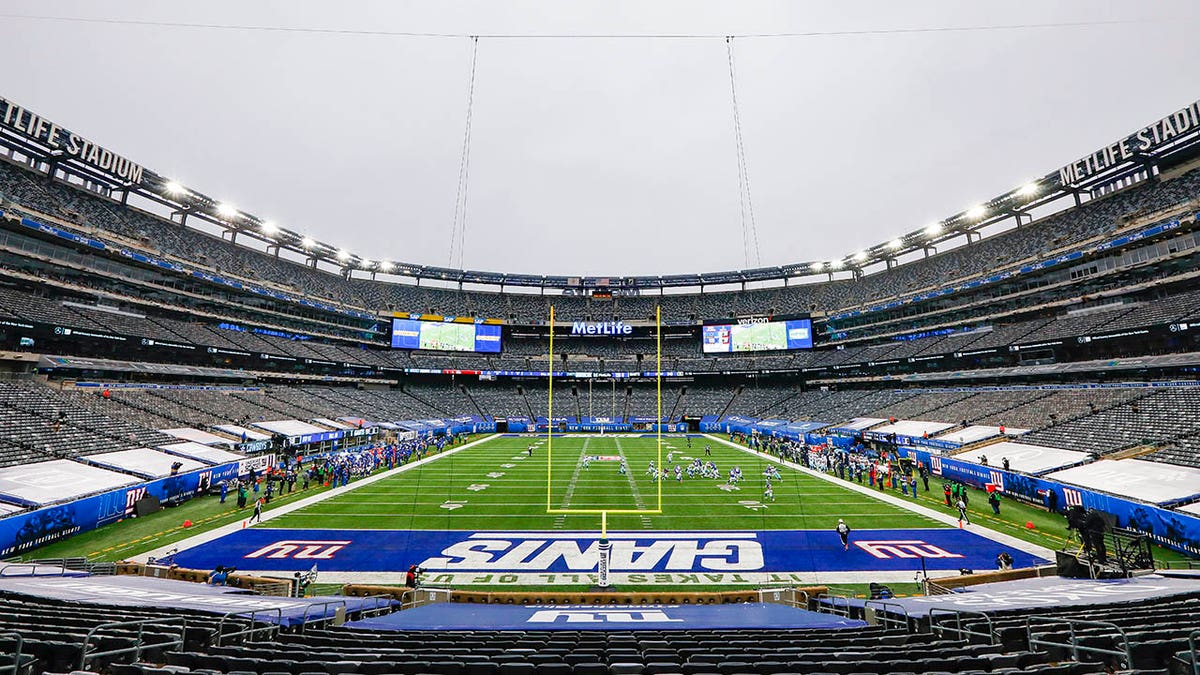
{"x":602,"y":156}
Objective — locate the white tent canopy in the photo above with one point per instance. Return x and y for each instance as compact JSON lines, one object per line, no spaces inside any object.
{"x":58,"y":480}
{"x":144,"y":462}
{"x":198,"y":436}
{"x":203,"y":453}
{"x":1025,"y":458}
{"x":1153,"y":482}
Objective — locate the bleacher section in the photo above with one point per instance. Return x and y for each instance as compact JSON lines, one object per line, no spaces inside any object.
{"x":1073,"y":630}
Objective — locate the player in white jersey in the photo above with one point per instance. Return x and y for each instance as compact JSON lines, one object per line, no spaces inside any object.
{"x":678,"y":474}
{"x":769,"y":493}
{"x":670,"y":456}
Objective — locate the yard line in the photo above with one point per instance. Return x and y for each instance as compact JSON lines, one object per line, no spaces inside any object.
{"x":637,"y":494}
{"x":566,"y":501}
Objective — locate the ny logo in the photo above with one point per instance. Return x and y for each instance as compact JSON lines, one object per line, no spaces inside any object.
{"x":601,"y":616}
{"x":300,"y":550}
{"x":131,"y":498}
{"x":1072,"y":497}
{"x":910,"y":548}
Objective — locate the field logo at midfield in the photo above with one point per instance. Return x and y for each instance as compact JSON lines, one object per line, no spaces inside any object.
{"x":300,"y":549}
{"x":907,"y":548}
{"x":533,"y":552}
{"x":601,"y":616}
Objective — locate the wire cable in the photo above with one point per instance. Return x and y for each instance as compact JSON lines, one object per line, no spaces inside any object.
{"x":574,"y":36}
{"x":458,"y":225}
{"x":750,"y":248}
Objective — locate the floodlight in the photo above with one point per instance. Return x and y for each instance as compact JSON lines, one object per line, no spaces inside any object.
{"x":343,"y":255}
{"x":934,"y":229}
{"x":386,"y":266}
{"x":1028,"y":190}
{"x":366,"y":264}
{"x":860,"y":256}
{"x":174,"y":188}
{"x":226,"y":209}
{"x":896,"y":244}
{"x":269,"y":228}
{"x":818,"y":266}
{"x":307,"y":242}
{"x":835,"y":264}
{"x":976,"y":212}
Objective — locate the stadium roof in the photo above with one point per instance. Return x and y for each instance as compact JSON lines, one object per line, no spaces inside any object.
{"x":1159,"y":143}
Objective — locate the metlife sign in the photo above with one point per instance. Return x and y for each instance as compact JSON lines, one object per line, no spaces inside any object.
{"x":601,"y":328}
{"x":549,"y":558}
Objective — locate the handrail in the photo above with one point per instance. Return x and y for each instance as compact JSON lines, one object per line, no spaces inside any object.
{"x":16,"y":656}
{"x":1195,"y":655}
{"x":382,"y":605}
{"x":1177,"y":564}
{"x":939,"y":627}
{"x":834,"y":607}
{"x":33,"y":567}
{"x":325,"y":619}
{"x":139,"y":646}
{"x":267,"y":627}
{"x":882,"y":615}
{"x":1073,"y":645}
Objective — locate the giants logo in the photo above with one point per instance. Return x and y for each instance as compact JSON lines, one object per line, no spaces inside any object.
{"x":601,"y":616}
{"x":997,"y":480}
{"x":298,"y":549}
{"x":631,"y":552}
{"x":131,"y":497}
{"x":935,"y":463}
{"x":1072,"y":497}
{"x":904,"y":548}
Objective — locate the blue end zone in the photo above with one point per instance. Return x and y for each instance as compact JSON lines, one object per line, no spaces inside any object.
{"x":647,"y":553}
{"x":609,"y":617}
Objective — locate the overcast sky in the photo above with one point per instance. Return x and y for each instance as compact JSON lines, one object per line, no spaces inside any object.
{"x":602,"y":156}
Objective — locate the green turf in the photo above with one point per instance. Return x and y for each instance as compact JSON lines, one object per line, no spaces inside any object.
{"x":517,"y":500}
{"x":126,"y":538}
{"x":498,"y":486}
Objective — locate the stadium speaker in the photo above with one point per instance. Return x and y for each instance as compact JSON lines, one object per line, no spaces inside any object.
{"x":146,"y":505}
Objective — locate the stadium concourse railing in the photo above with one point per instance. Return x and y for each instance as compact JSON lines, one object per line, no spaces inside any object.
{"x":18,"y":642}
{"x":797,"y":597}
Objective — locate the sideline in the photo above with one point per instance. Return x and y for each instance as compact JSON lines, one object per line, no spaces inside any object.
{"x":998,"y":537}
{"x":217,"y":533}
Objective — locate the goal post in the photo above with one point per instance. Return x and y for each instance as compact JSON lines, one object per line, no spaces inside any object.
{"x":550,"y":428}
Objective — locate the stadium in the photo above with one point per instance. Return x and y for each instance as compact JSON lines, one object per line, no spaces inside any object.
{"x":231,"y":447}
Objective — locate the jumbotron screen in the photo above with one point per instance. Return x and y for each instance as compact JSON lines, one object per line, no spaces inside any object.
{"x":758,"y":337}
{"x":445,"y":337}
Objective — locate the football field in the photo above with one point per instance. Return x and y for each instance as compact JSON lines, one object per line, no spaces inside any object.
{"x":498,"y":485}
{"x":512,"y":511}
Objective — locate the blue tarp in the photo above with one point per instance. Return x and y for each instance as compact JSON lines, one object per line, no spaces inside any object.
{"x":608,"y":617}
{"x":131,"y":591}
{"x":1056,"y":592}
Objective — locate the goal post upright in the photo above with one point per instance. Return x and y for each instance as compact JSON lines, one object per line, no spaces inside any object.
{"x":658,"y":385}
{"x":549,"y":419}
